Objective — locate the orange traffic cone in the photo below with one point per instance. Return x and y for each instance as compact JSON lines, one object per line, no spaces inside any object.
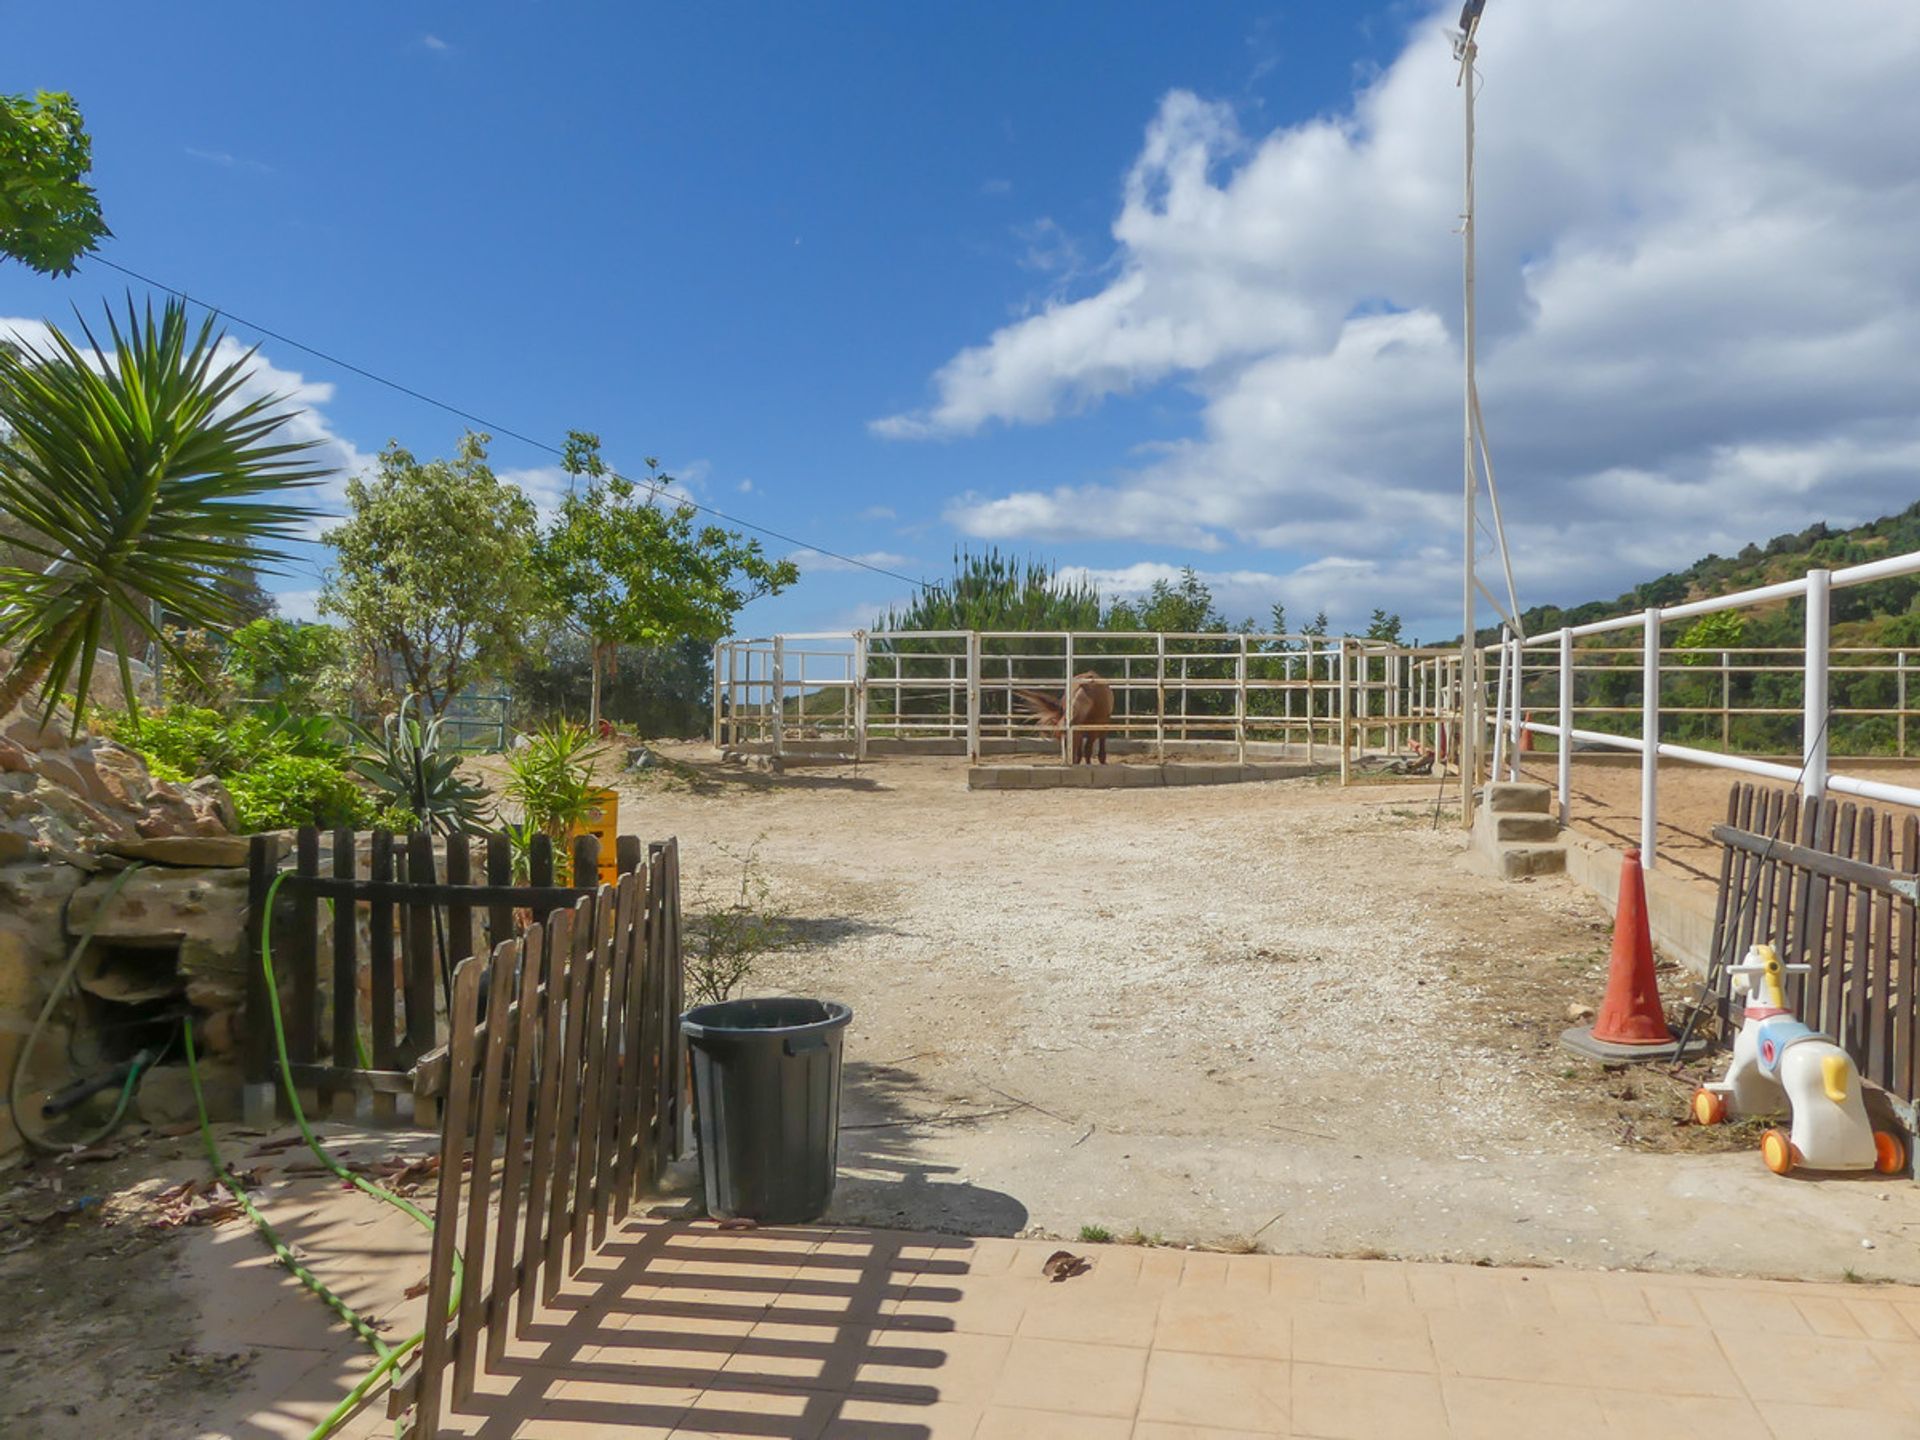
{"x":1631,"y":1013}
{"x":1443,"y":743}
{"x":1526,"y":735}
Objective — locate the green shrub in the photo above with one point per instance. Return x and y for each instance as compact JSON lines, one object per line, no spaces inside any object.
{"x":280,"y":792}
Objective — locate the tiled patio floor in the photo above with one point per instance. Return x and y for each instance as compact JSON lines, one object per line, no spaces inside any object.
{"x":683,"y":1330}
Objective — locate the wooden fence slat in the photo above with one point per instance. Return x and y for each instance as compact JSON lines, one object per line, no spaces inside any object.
{"x":346,"y":960}
{"x":304,"y":954}
{"x":507,"y":1274}
{"x":501,"y":965}
{"x":433,"y":1349}
{"x":1907,"y":1028}
{"x":628,"y":853}
{"x":258,"y":1054}
{"x":632,"y":1123}
{"x":420,"y":979}
{"x":676,"y":978}
{"x":561,"y":1199}
{"x":664,"y":1019}
{"x":546,"y":1120}
{"x":540,"y":862}
{"x":1723,"y":898}
{"x":584,"y":868}
{"x":618,"y":901}
{"x":1885,"y":999}
{"x":460,"y":912}
{"x":1860,"y":956}
{"x":380,"y":957}
{"x":593,"y":1063}
{"x":1829,"y":941}
{"x":499,"y":873}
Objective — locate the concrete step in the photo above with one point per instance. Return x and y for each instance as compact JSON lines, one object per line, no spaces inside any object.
{"x":1508,"y":826}
{"x":1518,"y":797}
{"x":1518,"y":860}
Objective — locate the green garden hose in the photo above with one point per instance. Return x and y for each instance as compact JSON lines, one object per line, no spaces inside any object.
{"x":54,"y":997}
{"x":388,"y":1357}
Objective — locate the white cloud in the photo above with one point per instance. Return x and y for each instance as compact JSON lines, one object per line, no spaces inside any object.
{"x":814,"y":562}
{"x":745,"y":487}
{"x":996,"y":186}
{"x":1700,"y":304}
{"x":226,"y":160}
{"x":435,"y":43}
{"x":879,"y":512}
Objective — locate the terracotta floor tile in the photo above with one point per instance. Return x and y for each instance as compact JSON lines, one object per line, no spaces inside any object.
{"x":1382,"y":1338}
{"x":1662,"y":1360}
{"x":1334,"y":1403}
{"x":1217,"y":1322}
{"x":1162,"y":1430}
{"x":1063,"y":1375}
{"x":884,"y":1420}
{"x":1672,"y":1306}
{"x":1634,"y":1416}
{"x":959,"y":1369}
{"x":730,"y":1414}
{"x":1835,"y":1422}
{"x":1817,"y":1371}
{"x":815,"y":1358}
{"x":972,"y":1305}
{"x":1203,"y":1269}
{"x":1226,"y":1392}
{"x":1879,"y":1319}
{"x":1752,"y":1311}
{"x":1832,"y":1318}
{"x":1004,"y":1424}
{"x":1480,"y":1409}
{"x":1065,"y":1312}
{"x":1250,"y":1273}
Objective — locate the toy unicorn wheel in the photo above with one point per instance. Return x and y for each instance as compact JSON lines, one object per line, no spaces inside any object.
{"x":1777,"y":1150}
{"x":1708,"y":1108}
{"x":1889,"y":1155}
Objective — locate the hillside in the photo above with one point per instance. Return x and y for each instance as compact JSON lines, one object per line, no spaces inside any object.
{"x":1878,"y":614}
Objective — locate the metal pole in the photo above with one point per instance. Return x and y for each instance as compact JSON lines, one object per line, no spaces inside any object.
{"x":1516,"y":715}
{"x":1726,"y":703}
{"x":1564,"y":760}
{"x":1240,"y":700}
{"x":1813,"y":726}
{"x":1649,"y":737}
{"x":1160,"y":697}
{"x":1469,"y":644}
{"x":1346,"y":730}
{"x":1900,"y":698}
{"x":718,"y":646}
{"x":1500,"y":709}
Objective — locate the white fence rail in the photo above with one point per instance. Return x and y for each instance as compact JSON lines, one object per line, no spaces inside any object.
{"x":1813,"y":774}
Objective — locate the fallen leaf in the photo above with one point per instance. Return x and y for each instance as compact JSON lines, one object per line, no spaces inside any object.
{"x":739,"y":1222}
{"x":1064,"y":1265}
{"x":417,"y":1288}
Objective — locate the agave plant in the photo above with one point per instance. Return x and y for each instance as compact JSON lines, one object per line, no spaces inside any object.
{"x":138,"y":475}
{"x":551,"y":779}
{"x":411,"y":770}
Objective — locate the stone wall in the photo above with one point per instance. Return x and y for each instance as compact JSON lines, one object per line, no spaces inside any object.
{"x":73,"y":812}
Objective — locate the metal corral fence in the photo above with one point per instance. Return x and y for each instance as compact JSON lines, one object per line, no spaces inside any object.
{"x":1800,"y":682}
{"x":843,"y":694}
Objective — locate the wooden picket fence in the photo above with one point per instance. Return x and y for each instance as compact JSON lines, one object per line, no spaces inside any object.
{"x":1828,"y":884}
{"x":560,"y":1107}
{"x":424,"y":915}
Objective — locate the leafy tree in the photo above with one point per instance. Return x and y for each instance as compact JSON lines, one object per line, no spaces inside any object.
{"x":622,"y":569}
{"x":49,"y":215}
{"x":1722,"y":630}
{"x":139,"y":481}
{"x":995,"y":591}
{"x":1184,"y":606}
{"x":1383,"y":626}
{"x":432,"y":573}
{"x":287,"y":658}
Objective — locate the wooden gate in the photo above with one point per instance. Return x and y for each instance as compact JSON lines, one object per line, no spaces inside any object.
{"x":1828,"y":884}
{"x":424,"y":915}
{"x":560,"y":1107}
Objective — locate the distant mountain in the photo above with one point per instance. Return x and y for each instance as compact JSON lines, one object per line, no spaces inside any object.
{"x":1882,"y":613}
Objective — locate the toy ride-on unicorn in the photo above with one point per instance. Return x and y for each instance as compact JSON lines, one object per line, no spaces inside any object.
{"x":1779,"y":1063}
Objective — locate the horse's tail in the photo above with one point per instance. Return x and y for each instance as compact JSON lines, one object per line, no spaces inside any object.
{"x":1046,"y":708}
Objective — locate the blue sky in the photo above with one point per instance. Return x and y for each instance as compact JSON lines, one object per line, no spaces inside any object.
{"x":1131,"y":287}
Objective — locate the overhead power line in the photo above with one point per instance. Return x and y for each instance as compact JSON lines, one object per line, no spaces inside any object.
{"x":492,"y":426}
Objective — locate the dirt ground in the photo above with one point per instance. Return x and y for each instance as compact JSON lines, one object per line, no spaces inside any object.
{"x":1276,"y":1014}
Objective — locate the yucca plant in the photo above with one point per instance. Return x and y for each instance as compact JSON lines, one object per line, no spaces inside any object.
{"x":412,"y":772}
{"x":138,"y":474}
{"x":551,"y":779}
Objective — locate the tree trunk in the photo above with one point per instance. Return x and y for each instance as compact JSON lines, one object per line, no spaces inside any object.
{"x":18,"y":683}
{"x":593,"y":710}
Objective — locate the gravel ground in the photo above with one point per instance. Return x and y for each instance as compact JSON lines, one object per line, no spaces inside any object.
{"x":1278,"y":1012}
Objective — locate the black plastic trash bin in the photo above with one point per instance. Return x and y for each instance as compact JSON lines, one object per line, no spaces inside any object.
{"x":766,"y":1097}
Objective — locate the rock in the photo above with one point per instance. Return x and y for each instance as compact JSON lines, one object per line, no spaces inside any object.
{"x":114,"y":775}
{"x":13,"y":758}
{"x":200,"y":851}
{"x":199,"y":910}
{"x":59,"y":768}
{"x":20,"y":965}
{"x":165,"y":1096}
{"x":15,"y":847}
{"x":208,"y":791}
{"x":26,"y":731}
{"x":1578,"y":1014}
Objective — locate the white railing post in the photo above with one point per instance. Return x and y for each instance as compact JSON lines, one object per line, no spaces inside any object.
{"x":1159,"y":697}
{"x":1563,"y":762}
{"x":1500,"y":708}
{"x":779,"y":694}
{"x":1516,"y":716}
{"x":1649,"y":737}
{"x":973,"y":697}
{"x":1346,"y":723}
{"x":1900,"y":700}
{"x":1240,"y":700}
{"x":859,"y":697}
{"x":1813,"y":736}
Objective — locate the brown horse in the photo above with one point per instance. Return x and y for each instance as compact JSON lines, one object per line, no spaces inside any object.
{"x":1089,"y":703}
